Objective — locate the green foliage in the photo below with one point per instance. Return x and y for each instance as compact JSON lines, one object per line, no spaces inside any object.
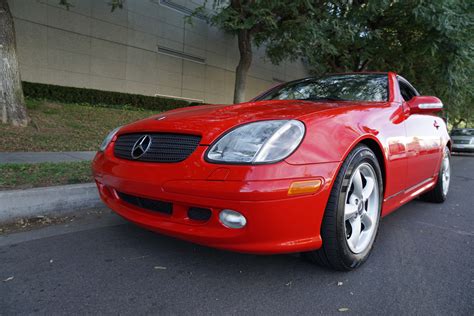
{"x":271,"y":23}
{"x":99,"y":97}
{"x":20,"y":175}
{"x":276,"y":23}
{"x":429,"y":43}
{"x":65,"y":3}
{"x":114,"y":4}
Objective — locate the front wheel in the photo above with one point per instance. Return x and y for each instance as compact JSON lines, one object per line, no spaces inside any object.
{"x":352,"y":214}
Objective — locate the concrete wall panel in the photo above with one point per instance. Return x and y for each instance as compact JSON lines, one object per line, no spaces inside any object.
{"x":32,"y":45}
{"x":72,"y":42}
{"x":58,"y":77}
{"x":59,"y":59}
{"x":90,"y":46}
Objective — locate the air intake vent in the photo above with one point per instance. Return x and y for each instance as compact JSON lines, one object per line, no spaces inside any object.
{"x":148,"y":204}
{"x":199,"y":214}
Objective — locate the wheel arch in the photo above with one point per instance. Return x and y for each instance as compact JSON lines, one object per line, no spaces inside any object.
{"x":449,"y":145}
{"x":377,"y":149}
{"x":373,"y":144}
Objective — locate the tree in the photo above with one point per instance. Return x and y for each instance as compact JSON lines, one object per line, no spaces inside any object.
{"x":12,"y":103}
{"x":275,"y":23}
{"x":431,"y":44}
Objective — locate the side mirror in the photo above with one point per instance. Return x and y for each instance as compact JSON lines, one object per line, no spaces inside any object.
{"x":424,"y":104}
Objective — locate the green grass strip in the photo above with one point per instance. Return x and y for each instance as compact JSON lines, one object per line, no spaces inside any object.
{"x":23,"y":176}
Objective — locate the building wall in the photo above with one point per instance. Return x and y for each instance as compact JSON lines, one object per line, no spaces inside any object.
{"x":137,"y":49}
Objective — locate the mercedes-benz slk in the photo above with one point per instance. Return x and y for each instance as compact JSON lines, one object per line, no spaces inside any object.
{"x":309,"y":166}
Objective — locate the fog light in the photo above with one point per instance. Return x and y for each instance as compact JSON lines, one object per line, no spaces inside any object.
{"x":232,"y":219}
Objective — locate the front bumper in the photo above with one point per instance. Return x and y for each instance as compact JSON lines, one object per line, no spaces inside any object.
{"x":276,"y":222}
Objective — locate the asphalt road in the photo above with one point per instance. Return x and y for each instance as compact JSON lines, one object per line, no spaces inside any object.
{"x":423,"y":263}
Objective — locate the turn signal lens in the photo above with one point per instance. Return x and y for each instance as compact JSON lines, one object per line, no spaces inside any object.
{"x":232,"y":219}
{"x":304,"y":187}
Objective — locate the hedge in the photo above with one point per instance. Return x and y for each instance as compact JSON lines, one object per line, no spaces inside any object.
{"x":99,"y":97}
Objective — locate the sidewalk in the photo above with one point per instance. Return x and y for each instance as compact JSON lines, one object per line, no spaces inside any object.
{"x":37,"y":157}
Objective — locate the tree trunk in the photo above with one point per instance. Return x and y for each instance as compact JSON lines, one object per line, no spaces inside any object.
{"x":245,"y":50}
{"x":12,"y":103}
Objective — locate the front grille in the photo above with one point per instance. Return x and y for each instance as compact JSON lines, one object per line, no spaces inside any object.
{"x":462,"y":141}
{"x":164,"y":147}
{"x":148,"y":204}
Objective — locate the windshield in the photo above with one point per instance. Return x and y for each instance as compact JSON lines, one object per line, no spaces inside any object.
{"x":463,"y":132}
{"x":348,"y":87}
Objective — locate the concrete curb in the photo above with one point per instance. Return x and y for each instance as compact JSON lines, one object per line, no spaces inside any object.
{"x":53,"y":201}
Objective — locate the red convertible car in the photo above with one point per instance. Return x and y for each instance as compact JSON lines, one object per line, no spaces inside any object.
{"x":309,"y":166}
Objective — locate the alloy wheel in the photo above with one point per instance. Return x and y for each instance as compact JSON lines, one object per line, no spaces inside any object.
{"x":361,"y":210}
{"x":446,"y":174}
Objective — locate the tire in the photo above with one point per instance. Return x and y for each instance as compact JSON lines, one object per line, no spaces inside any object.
{"x":439,"y":193}
{"x":339,"y":251}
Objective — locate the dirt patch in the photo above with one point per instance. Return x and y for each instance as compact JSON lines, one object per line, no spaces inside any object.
{"x":31,"y":223}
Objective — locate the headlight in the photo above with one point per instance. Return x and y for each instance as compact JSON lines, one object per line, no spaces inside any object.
{"x":258,"y":142}
{"x":108,"y":139}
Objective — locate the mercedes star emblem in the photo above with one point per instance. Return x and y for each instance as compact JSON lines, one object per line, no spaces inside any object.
{"x":141,"y":146}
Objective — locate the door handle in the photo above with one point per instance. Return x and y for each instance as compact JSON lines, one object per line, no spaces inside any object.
{"x":435,"y":124}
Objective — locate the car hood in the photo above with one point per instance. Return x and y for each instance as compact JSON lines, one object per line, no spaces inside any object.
{"x":210,"y":121}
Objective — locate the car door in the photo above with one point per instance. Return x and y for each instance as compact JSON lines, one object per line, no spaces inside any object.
{"x":423,"y":141}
